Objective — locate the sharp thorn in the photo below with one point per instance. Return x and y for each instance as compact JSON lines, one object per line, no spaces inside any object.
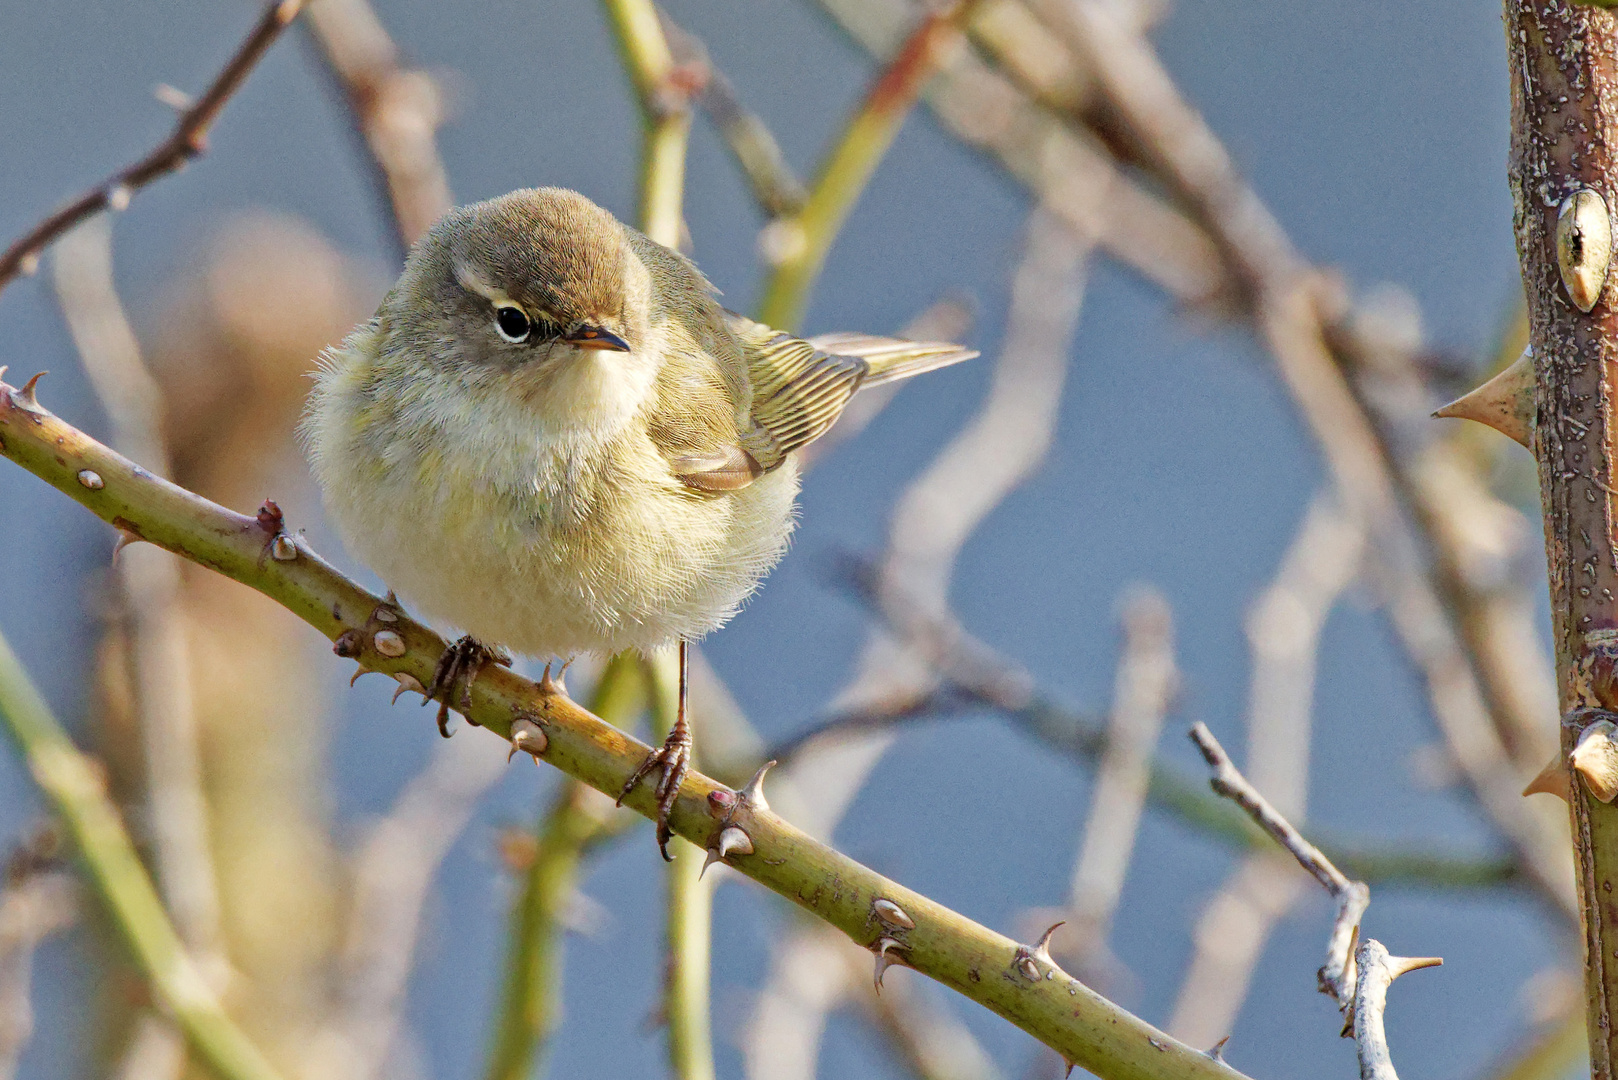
{"x":753,"y":794}
{"x":551,"y":686}
{"x":1551,"y":780}
{"x":1217,"y":1050}
{"x":1042,"y":951}
{"x":3,"y":369}
{"x":407,"y":682}
{"x":125,"y":538}
{"x":1505,"y":402}
{"x":709,"y":859}
{"x":1069,"y":1065}
{"x":26,"y":394}
{"x":883,"y":960}
{"x":361,"y":670}
{"x":1403,"y":965}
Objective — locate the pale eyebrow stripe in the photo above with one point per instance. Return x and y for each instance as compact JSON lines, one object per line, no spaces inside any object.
{"x":474,"y":282}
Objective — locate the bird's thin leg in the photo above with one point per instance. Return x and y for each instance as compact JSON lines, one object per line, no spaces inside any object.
{"x":674,"y":758}
{"x":459,"y":667}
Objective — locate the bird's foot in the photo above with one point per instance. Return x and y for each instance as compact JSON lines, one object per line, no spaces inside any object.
{"x":459,"y":667}
{"x":674,"y":759}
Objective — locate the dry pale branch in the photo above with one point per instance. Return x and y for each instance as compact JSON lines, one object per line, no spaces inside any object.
{"x":939,"y":510}
{"x":1299,"y":318}
{"x":155,"y":645}
{"x":393,"y":871}
{"x":1337,"y":975}
{"x":395,"y":109}
{"x":38,"y":902}
{"x":1283,"y":633}
{"x":1144,"y":688}
{"x":188,"y":140}
{"x":1377,"y":972}
{"x":1063,"y":1013}
{"x":1069,"y":172}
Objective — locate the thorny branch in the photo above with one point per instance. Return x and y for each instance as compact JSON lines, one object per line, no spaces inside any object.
{"x":189,"y":140}
{"x":1064,"y":1014}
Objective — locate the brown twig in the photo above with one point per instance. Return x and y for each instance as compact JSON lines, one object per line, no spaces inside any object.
{"x":189,"y":140}
{"x":776,"y":188}
{"x":395,"y":109}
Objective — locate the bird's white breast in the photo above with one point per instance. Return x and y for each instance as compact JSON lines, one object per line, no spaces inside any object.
{"x":544,"y":521}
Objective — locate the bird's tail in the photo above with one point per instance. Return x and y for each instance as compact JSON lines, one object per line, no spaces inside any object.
{"x":892,"y":358}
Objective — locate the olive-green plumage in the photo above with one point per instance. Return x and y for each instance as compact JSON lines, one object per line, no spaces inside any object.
{"x":553,"y":437}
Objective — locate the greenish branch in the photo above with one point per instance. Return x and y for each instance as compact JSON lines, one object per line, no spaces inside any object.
{"x":798,"y":245}
{"x":1061,"y":1012}
{"x":77,"y":792}
{"x":665,"y":106}
{"x":578,"y":820}
{"x":688,"y":925}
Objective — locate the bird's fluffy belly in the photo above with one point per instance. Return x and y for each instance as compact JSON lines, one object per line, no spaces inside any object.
{"x":561,"y":563}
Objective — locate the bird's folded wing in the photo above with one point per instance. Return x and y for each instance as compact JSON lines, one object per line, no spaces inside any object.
{"x":799,"y":390}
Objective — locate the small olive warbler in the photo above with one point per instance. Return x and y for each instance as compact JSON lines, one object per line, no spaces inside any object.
{"x":552,"y":437}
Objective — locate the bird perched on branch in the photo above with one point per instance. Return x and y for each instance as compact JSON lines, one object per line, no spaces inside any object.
{"x":552,"y":437}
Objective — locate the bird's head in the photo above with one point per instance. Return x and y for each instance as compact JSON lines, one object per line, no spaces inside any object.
{"x":537,"y":275}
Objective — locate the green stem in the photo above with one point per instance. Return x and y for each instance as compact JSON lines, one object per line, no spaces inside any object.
{"x":665,"y":108}
{"x":530,"y":1005}
{"x":78,"y":794}
{"x":688,"y":928}
{"x":803,"y":241}
{"x":1064,"y":1014}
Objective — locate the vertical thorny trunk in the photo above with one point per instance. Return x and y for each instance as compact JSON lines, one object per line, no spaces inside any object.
{"x":1564,"y":99}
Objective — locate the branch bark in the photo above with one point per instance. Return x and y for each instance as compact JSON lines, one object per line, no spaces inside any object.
{"x":1073,"y":1020}
{"x":1562,"y":61}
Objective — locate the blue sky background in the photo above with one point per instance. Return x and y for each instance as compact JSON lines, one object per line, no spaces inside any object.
{"x":1376,"y":132}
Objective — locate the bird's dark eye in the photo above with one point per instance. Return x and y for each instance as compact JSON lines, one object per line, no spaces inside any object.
{"x":512,"y":323}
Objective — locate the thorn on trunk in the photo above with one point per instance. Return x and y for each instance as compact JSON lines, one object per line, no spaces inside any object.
{"x":1505,"y":402}
{"x":1217,"y":1050}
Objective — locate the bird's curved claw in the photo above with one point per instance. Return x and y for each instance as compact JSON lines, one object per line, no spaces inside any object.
{"x":459,"y":667}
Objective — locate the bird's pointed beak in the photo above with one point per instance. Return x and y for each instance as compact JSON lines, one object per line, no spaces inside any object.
{"x":594,"y":337}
